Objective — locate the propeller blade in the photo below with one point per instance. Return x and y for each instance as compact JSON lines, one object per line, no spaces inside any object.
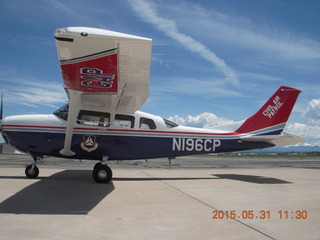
{"x":1,"y":106}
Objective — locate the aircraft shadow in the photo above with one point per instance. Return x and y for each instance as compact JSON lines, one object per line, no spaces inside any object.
{"x":66,"y":192}
{"x":251,"y":178}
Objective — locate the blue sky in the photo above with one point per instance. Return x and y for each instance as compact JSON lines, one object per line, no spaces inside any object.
{"x":214,"y":61}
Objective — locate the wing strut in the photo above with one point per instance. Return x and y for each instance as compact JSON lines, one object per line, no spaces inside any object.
{"x":72,"y":116}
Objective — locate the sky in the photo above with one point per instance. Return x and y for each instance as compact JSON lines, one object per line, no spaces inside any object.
{"x":213,"y":62}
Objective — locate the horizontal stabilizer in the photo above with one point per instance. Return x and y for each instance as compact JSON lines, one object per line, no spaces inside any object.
{"x":284,"y":139}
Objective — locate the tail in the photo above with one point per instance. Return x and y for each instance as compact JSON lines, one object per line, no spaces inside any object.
{"x":268,"y":123}
{"x":272,"y":117}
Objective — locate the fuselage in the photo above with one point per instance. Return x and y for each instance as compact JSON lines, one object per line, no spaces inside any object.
{"x":119,"y":136}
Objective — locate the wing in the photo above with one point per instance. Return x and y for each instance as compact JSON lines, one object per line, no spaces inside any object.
{"x":111,"y":69}
{"x":102,"y":69}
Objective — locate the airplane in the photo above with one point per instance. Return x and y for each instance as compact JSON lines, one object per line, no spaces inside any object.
{"x":106,"y":78}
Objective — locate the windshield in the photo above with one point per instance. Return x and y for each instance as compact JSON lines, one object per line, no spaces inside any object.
{"x":62,"y":112}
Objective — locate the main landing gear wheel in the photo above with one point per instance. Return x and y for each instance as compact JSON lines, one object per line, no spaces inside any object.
{"x":32,"y":171}
{"x":102,"y":173}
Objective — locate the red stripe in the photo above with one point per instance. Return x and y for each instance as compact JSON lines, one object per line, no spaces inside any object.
{"x":29,"y":126}
{"x":122,"y":130}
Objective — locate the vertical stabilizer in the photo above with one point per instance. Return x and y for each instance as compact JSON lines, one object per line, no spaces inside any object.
{"x":274,"y":113}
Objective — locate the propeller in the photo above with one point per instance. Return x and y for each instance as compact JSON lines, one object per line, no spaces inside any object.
{"x":1,"y":111}
{"x":1,"y":118}
{"x":1,"y":107}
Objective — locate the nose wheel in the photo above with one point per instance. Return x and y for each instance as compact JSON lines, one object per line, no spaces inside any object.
{"x":32,"y":171}
{"x":102,"y":173}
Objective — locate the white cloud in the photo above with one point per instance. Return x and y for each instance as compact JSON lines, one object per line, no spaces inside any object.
{"x":203,"y":120}
{"x":30,"y":96}
{"x":62,"y":7}
{"x":80,"y":12}
{"x":148,"y":12}
{"x":312,"y":111}
{"x":312,"y":129}
{"x":304,"y":130}
{"x":205,"y":87}
{"x":260,"y":77}
{"x":31,"y":91}
{"x":261,"y":43}
{"x":273,"y":40}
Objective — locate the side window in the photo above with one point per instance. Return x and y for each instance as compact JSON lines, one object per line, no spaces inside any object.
{"x":170,"y":124}
{"x":94,"y":118}
{"x":124,"y":121}
{"x":147,"y":123}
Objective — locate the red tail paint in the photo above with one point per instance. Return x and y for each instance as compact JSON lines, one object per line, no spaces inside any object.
{"x":275,"y":111}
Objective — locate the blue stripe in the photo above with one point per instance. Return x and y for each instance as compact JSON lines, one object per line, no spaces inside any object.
{"x":277,"y":132}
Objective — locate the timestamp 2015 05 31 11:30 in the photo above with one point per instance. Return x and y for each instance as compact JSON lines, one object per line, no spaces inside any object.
{"x":260,"y":214}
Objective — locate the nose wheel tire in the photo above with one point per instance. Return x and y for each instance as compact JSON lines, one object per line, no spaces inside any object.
{"x":32,"y":171}
{"x":102,"y":173}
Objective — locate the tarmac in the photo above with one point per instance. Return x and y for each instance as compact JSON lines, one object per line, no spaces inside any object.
{"x":200,"y":197}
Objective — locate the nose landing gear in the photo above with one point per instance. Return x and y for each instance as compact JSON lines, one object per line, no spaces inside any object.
{"x":32,"y":171}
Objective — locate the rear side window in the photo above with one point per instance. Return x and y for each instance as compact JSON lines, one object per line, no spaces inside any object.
{"x":147,"y":123}
{"x":170,"y":124}
{"x":124,"y":121}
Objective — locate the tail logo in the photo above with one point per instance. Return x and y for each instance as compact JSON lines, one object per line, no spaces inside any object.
{"x":271,"y":110}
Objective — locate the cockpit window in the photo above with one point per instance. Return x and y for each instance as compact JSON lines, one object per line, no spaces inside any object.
{"x":62,"y":112}
{"x":91,"y":118}
{"x":170,"y":124}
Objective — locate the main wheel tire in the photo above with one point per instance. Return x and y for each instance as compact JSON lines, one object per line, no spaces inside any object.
{"x":102,"y":173}
{"x":32,"y":172}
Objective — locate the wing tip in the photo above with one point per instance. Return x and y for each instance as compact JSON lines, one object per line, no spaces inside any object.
{"x":88,"y":31}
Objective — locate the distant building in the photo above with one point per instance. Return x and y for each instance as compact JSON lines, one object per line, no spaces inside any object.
{"x":8,"y":149}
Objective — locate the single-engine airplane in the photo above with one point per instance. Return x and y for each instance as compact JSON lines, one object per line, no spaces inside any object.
{"x":106,"y":78}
